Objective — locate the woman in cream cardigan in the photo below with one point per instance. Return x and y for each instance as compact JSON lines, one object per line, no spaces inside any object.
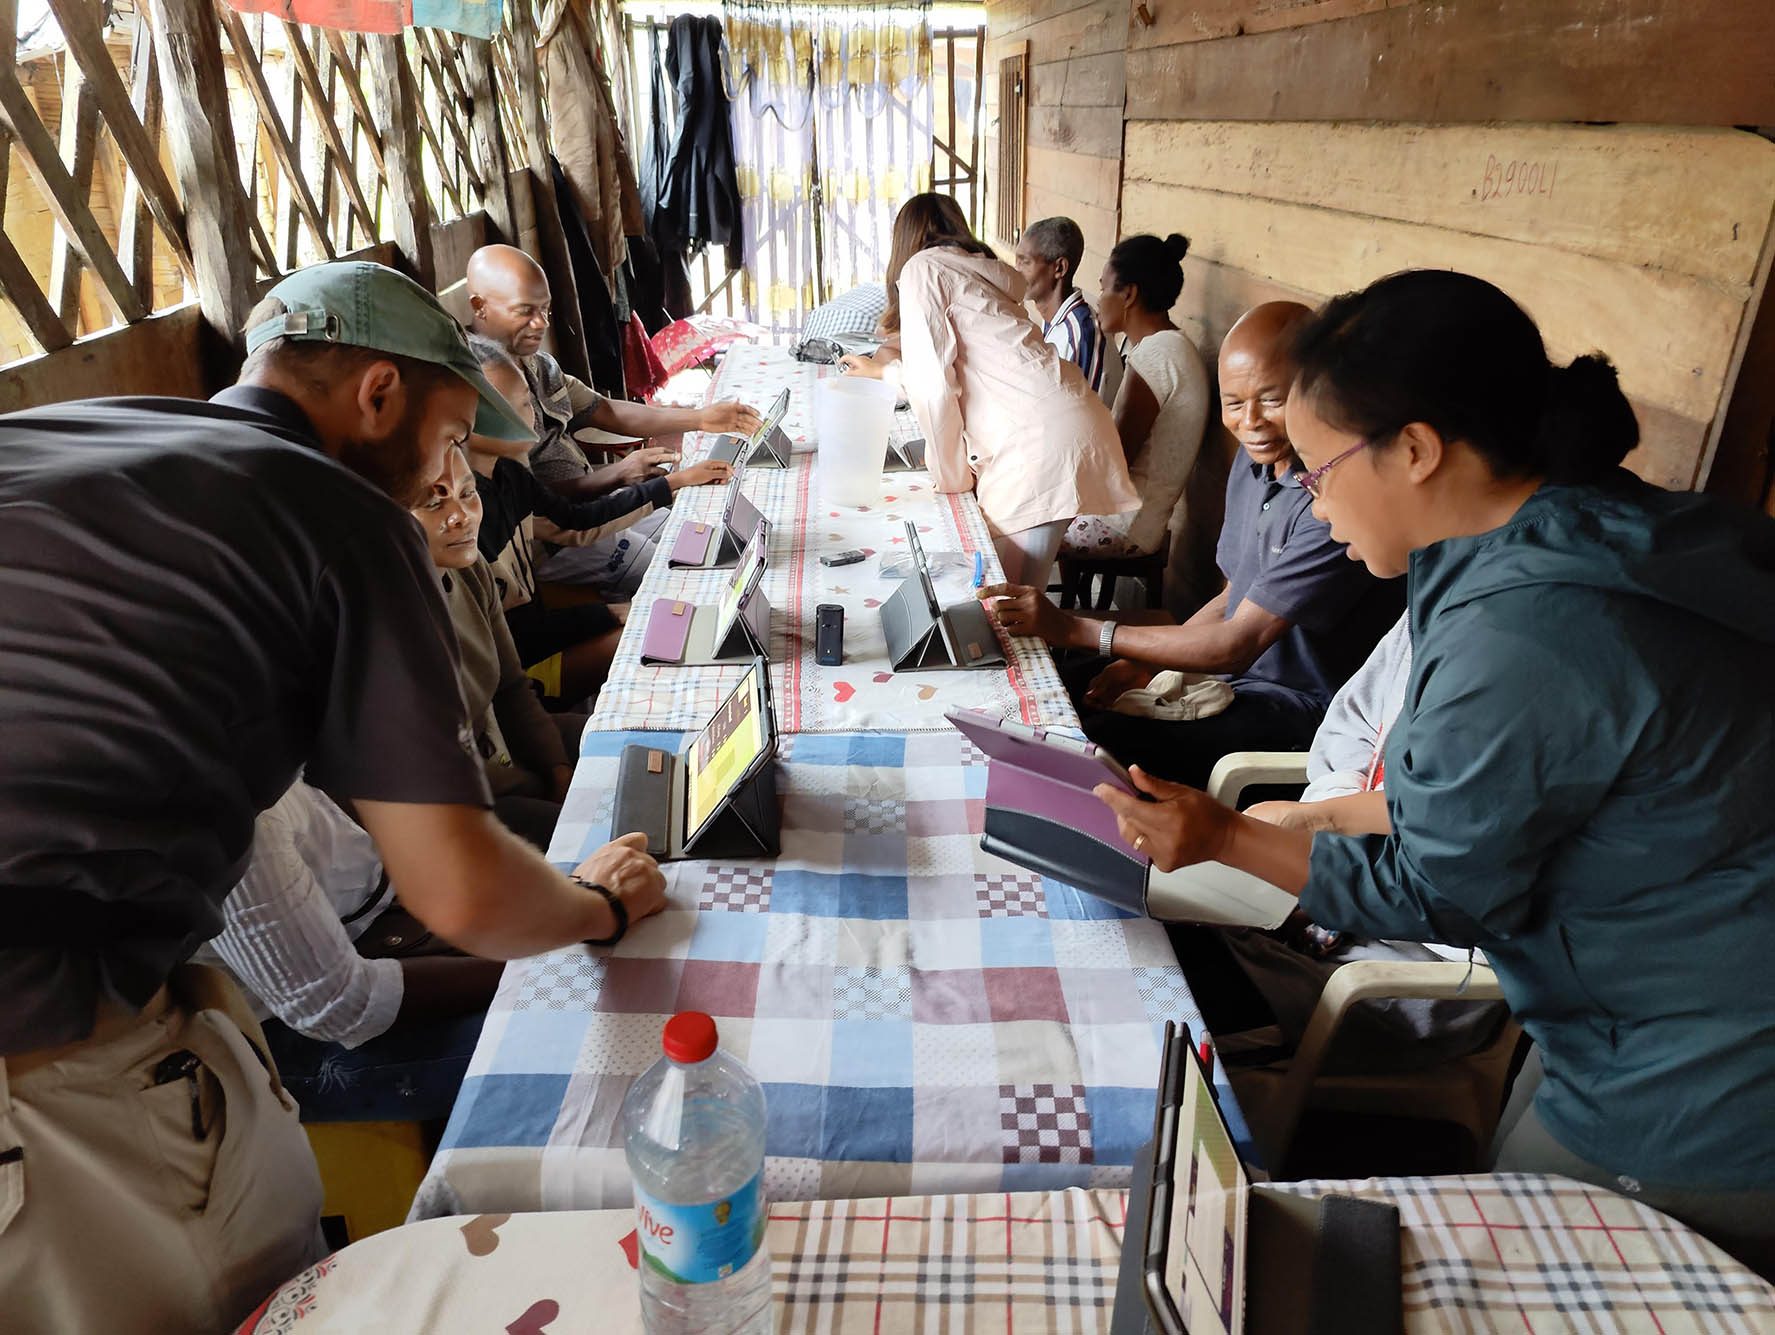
{"x":1003,"y":414}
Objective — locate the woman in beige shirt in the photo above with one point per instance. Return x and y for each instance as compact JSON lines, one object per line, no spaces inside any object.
{"x":525,"y":749}
{"x":1004,"y":415}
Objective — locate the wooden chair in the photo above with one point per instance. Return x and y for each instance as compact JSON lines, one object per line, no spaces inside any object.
{"x":1467,"y":1091}
{"x":1076,"y":577}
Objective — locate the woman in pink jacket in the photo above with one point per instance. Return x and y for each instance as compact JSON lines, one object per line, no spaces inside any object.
{"x":1004,"y":415}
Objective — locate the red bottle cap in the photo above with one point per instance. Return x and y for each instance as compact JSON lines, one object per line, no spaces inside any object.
{"x":689,"y":1037}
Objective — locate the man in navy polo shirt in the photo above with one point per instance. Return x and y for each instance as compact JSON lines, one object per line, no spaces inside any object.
{"x":1295,"y":619}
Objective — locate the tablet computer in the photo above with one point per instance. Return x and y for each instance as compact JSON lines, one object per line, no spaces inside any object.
{"x":731,"y":748}
{"x":746,"y":574}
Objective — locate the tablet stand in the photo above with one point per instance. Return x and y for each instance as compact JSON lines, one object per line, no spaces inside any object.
{"x":904,"y":456}
{"x":716,"y":545}
{"x":683,"y":633}
{"x":920,"y":642}
{"x":652,"y":788}
{"x":771,"y":452}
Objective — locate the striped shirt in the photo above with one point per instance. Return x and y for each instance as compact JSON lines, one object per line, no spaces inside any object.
{"x":1074,"y":331}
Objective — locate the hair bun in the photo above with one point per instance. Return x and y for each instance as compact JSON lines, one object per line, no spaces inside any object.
{"x":1177,"y":245}
{"x":1587,"y":425}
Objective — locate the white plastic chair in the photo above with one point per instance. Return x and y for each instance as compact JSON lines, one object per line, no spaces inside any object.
{"x":1467,"y":1091}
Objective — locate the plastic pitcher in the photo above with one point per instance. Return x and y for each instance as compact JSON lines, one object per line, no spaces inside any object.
{"x":851,"y":419}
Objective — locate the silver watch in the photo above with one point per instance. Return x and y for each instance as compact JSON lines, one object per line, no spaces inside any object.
{"x":1106,"y":638}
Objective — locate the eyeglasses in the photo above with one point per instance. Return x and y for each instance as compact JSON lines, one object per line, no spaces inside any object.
{"x":1313,"y":483}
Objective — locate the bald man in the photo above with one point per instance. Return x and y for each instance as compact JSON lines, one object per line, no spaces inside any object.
{"x":1294,"y":620}
{"x":509,"y":297}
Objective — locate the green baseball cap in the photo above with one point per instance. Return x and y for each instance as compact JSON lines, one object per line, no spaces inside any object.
{"x":369,"y":305}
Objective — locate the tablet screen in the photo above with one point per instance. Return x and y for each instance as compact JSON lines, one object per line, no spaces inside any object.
{"x":771,"y":420}
{"x":728,"y":749}
{"x":1205,"y":1262}
{"x":745,"y":577}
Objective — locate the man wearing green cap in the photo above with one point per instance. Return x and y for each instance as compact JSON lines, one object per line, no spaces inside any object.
{"x":198,"y":601}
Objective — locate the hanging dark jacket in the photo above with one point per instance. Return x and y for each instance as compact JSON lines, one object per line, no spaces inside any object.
{"x":698,"y":199}
{"x":662,"y":280}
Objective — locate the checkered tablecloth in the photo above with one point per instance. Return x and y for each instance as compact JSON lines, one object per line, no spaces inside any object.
{"x":1480,"y":1254}
{"x":863,"y":693}
{"x":924,"y":1017}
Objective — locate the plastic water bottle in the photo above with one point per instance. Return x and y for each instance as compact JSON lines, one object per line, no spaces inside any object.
{"x":693,"y":1130}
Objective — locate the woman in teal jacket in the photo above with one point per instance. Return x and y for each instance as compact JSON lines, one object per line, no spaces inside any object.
{"x":1582,"y":781}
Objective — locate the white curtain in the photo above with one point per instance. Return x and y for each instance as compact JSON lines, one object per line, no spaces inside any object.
{"x":845,"y":89}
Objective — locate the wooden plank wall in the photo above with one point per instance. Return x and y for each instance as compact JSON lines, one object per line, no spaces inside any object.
{"x":1643,"y":242}
{"x":1075,"y":92}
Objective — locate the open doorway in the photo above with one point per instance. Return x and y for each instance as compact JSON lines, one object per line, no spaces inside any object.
{"x":840,"y":114}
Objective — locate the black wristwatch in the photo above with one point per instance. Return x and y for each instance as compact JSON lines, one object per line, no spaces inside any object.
{"x":616,"y":908}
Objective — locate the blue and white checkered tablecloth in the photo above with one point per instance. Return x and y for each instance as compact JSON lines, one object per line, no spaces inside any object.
{"x":924,"y":1017}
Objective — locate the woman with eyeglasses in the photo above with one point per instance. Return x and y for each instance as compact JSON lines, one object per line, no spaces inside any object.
{"x":1579,"y":781}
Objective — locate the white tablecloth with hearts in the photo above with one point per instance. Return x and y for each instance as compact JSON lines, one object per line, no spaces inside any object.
{"x":863,"y":694}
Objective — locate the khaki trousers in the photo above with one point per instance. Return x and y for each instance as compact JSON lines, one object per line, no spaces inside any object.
{"x":116,"y":1215}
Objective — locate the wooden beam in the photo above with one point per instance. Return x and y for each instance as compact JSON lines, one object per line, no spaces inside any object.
{"x":124,"y":119}
{"x":20,"y":288}
{"x":496,"y":196}
{"x":200,"y":134}
{"x":1667,"y":62}
{"x":160,"y":355}
{"x":429,"y":132}
{"x":79,"y":145}
{"x":336,"y":157}
{"x":269,"y":120}
{"x":397,"y":106}
{"x":59,"y":190}
{"x":346,"y":64}
{"x":292,"y":232}
{"x":450,"y":95}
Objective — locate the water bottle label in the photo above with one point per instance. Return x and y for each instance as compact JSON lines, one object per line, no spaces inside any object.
{"x":694,"y":1244}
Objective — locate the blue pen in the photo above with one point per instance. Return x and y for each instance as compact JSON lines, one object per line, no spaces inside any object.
{"x":979,"y":570}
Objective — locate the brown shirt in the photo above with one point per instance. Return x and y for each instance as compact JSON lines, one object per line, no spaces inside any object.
{"x":518,"y":742}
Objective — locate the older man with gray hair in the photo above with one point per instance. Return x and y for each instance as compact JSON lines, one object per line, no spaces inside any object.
{"x":1048,"y":257}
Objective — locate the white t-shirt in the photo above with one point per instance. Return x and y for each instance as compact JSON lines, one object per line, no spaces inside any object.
{"x":1172,"y":369}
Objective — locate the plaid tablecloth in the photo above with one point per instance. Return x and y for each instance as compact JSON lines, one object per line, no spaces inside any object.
{"x":1518,"y":1252}
{"x":1479,"y":1254}
{"x":924,"y":1017}
{"x":863,"y":693}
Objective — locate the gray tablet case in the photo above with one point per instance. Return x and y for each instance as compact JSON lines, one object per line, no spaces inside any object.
{"x":770,"y":452}
{"x":650,"y":796}
{"x":906,"y":445}
{"x":1348,"y":1247}
{"x":961,"y":636}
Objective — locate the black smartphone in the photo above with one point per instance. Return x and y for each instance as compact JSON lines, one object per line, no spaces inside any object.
{"x":829,"y":635}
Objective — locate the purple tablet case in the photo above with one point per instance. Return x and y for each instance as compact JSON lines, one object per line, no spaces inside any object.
{"x":716,"y":544}
{"x":692,"y":546}
{"x":668,"y":628}
{"x":1041,"y":813}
